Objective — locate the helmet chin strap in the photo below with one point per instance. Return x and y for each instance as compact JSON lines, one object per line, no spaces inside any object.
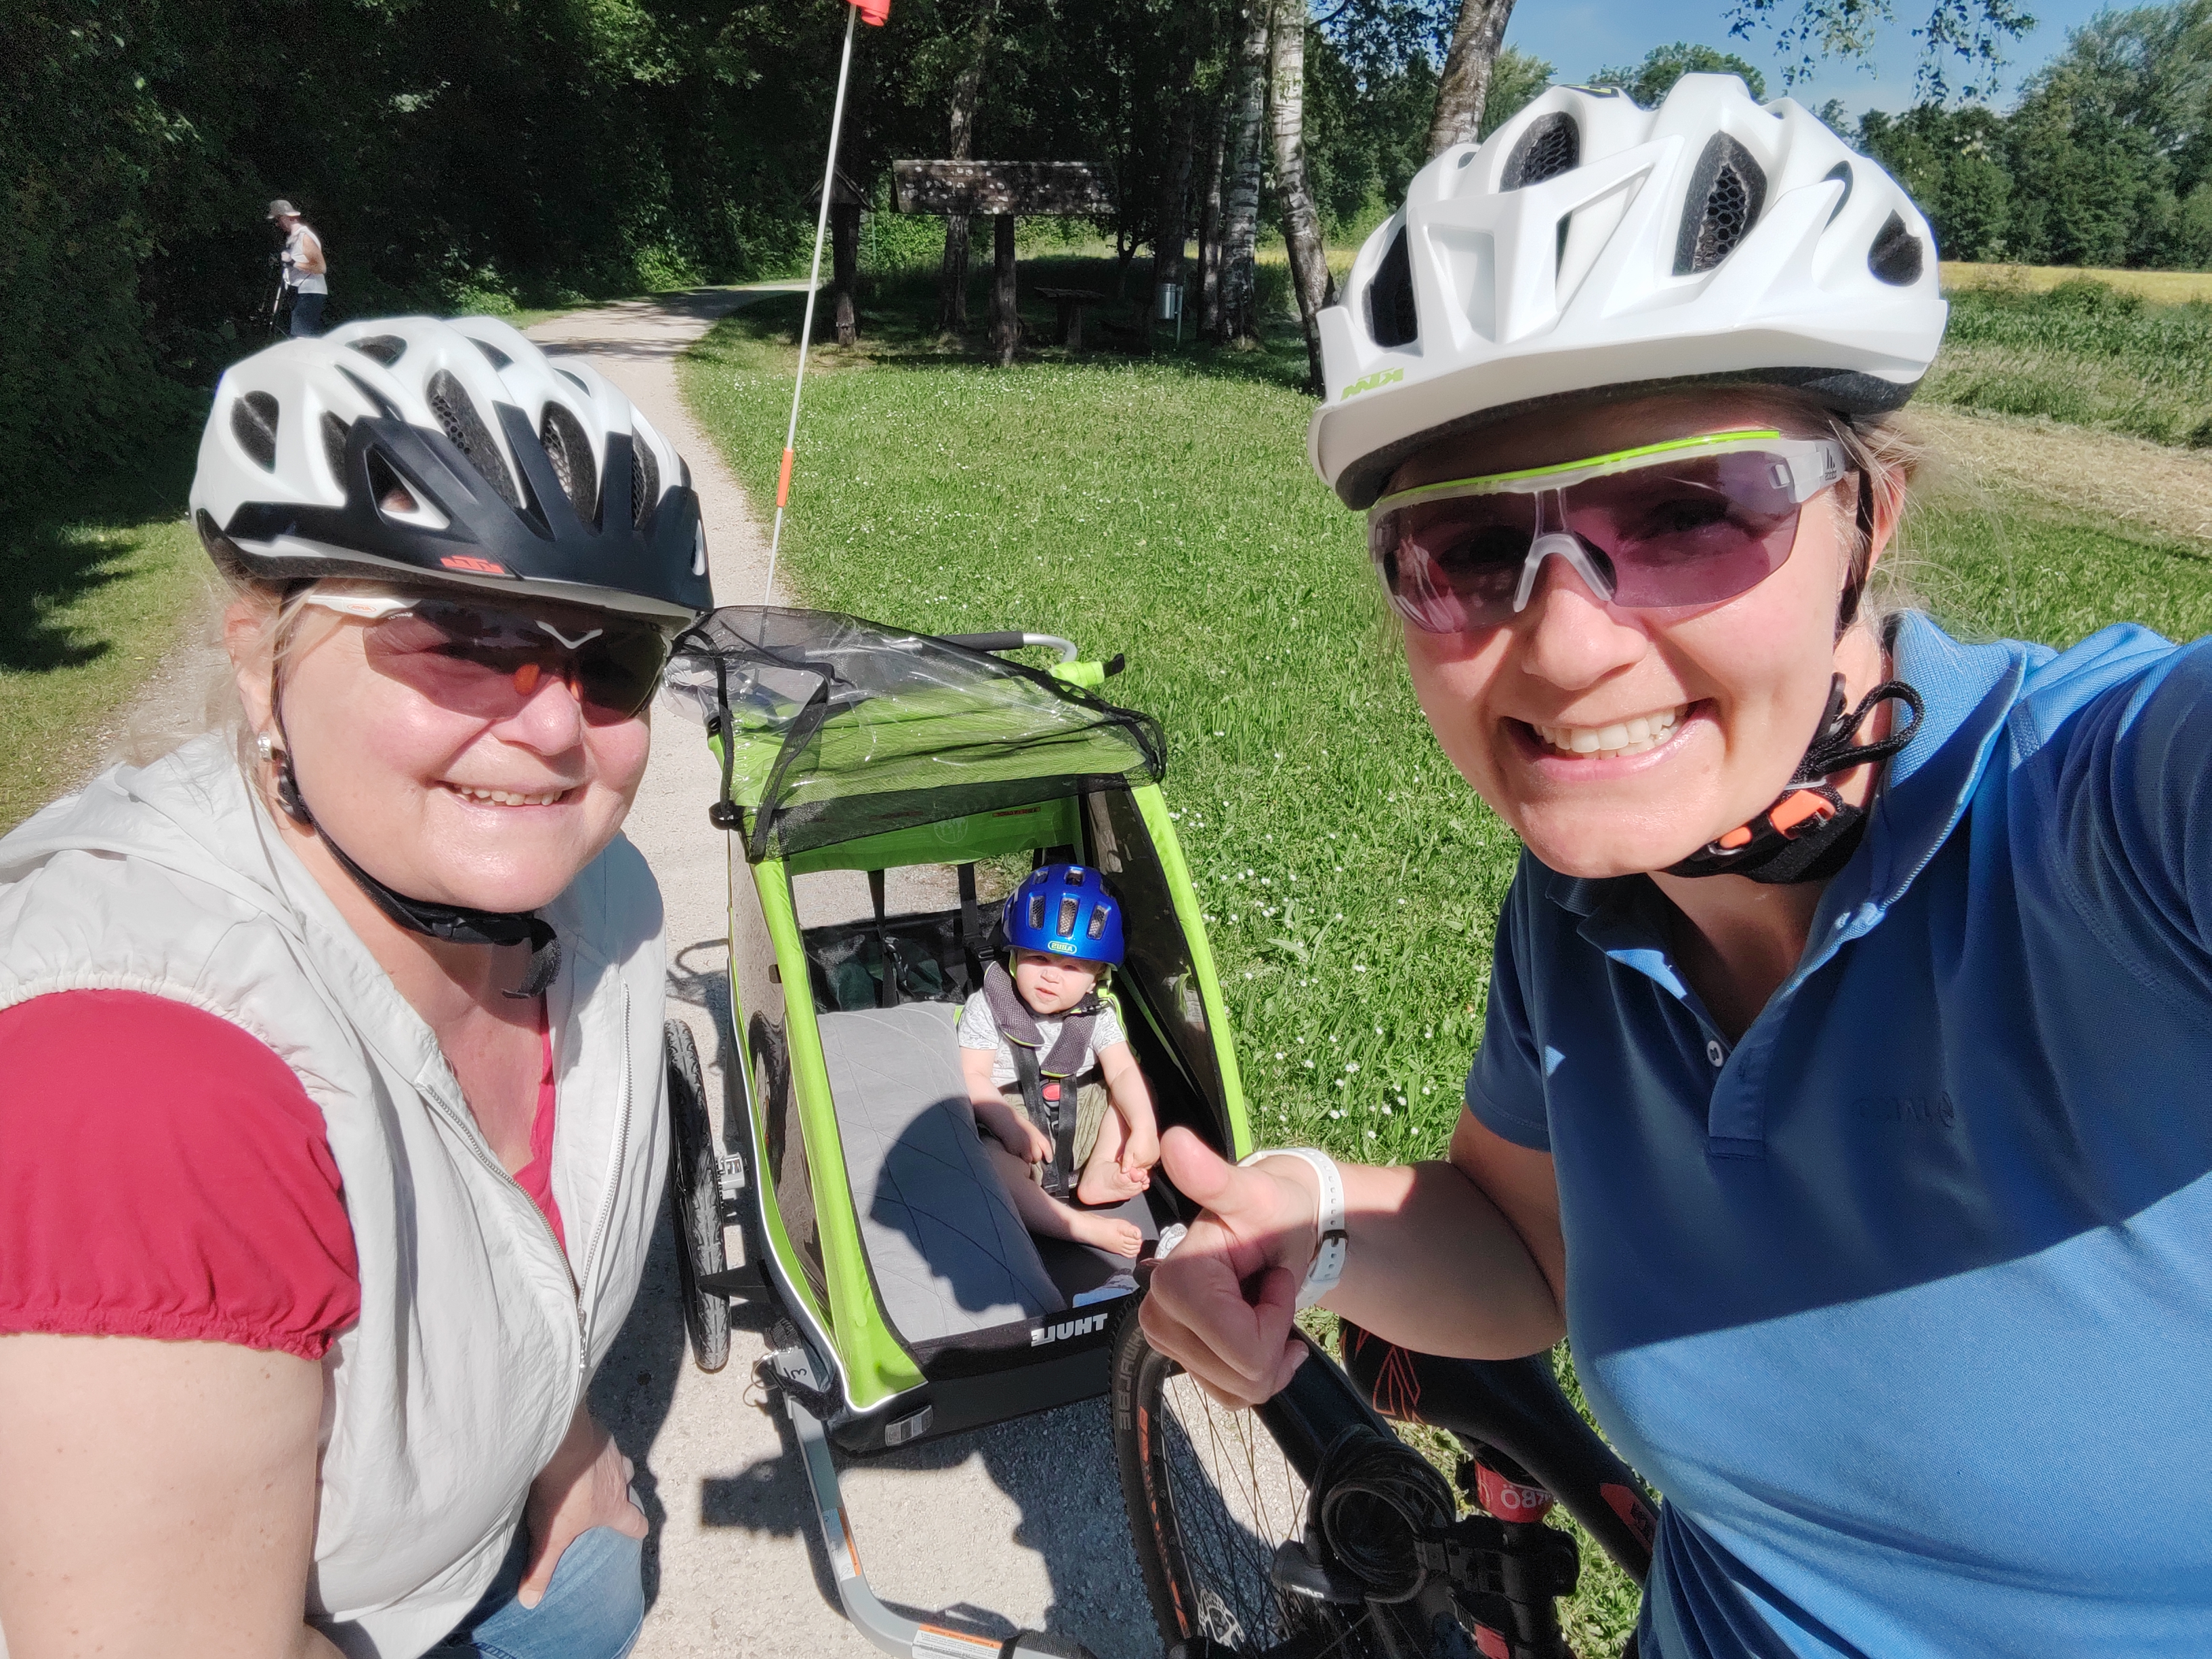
{"x":455,"y":923}
{"x":1810,"y":831}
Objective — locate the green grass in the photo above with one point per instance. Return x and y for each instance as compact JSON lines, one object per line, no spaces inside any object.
{"x":2082,"y":353}
{"x":92,"y":599}
{"x":1162,"y":508}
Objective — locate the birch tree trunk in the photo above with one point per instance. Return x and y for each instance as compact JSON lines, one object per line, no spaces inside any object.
{"x":1240,"y":233}
{"x":1476,"y":38}
{"x":966,"y":92}
{"x":1310,"y":275}
{"x":1209,"y":228}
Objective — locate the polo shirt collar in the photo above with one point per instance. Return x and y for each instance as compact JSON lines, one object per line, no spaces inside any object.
{"x":1968,"y":690}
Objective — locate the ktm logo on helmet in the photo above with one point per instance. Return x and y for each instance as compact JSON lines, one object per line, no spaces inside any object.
{"x":1370,"y":382}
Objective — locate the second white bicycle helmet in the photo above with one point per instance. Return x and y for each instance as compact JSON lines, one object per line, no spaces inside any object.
{"x":448,"y":453}
{"x":1590,"y":243}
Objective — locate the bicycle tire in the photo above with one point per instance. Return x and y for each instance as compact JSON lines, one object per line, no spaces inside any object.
{"x":694,"y":1200}
{"x":1210,"y":1493}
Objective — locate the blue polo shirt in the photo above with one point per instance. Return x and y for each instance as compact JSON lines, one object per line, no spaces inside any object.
{"x":1904,"y":1301}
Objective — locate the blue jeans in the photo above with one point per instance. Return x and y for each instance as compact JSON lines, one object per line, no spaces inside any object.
{"x":592,"y":1609}
{"x":307,"y":314}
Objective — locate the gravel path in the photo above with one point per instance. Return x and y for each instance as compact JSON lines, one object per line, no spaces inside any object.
{"x":1018,"y":1526}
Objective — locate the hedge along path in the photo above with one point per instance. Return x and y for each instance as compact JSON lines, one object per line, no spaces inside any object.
{"x":733,"y":1563}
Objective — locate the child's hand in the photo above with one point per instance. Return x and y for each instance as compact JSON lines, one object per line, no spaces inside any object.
{"x":1014,"y":1131}
{"x":1139,"y":1152}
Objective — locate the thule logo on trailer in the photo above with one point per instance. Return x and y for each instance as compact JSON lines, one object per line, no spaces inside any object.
{"x":1041,"y":1335}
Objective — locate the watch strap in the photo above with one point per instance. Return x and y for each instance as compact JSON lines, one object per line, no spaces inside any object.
{"x":1327,"y":1266}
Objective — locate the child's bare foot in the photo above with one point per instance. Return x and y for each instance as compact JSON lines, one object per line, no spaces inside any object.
{"x":1104,"y":1183}
{"x":1105,"y":1232}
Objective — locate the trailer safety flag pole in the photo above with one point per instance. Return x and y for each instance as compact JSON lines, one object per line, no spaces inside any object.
{"x":878,"y":13}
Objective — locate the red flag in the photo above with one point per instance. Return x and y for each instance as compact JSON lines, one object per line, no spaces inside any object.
{"x":874,"y":13}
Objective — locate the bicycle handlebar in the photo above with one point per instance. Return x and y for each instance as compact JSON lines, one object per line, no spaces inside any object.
{"x":1006,"y":641}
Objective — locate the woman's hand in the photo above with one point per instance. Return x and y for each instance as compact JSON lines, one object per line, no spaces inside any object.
{"x":587,"y":1485}
{"x":1221,"y":1304}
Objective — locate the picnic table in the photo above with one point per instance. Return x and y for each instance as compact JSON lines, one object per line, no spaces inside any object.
{"x":1069,"y":302}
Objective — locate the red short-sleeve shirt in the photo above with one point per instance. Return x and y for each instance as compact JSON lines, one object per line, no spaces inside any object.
{"x":163,"y":1174}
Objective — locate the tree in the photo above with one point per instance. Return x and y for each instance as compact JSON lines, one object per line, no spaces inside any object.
{"x":1514,"y":81}
{"x":967,"y":90}
{"x":1972,"y":33}
{"x":1465,"y":87}
{"x":1240,"y":219}
{"x":1309,"y":274}
{"x":1650,"y":81}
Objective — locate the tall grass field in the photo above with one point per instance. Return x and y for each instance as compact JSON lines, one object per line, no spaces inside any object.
{"x":1162,"y":506}
{"x":2084,"y":353}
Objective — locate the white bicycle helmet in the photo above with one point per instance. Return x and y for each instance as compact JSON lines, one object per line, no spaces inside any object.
{"x":1590,"y":243}
{"x":421,"y":451}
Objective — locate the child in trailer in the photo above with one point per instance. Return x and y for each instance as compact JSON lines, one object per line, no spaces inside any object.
{"x":1049,"y":1068}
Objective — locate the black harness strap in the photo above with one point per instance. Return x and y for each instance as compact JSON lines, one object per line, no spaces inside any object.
{"x":971,"y":925}
{"x":1045,"y":1080}
{"x":891,"y":993}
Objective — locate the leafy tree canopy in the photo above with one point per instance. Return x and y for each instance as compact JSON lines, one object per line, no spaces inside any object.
{"x":1654,"y":78}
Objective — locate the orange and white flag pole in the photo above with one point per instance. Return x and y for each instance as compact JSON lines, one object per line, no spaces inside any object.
{"x":878,"y":13}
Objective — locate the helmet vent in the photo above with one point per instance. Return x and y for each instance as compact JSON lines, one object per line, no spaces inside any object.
{"x":1552,"y":145}
{"x":1842,"y":170}
{"x":1391,"y":317}
{"x":253,"y":424}
{"x":1098,"y":921}
{"x":1726,"y":193}
{"x":334,"y":446}
{"x":644,"y":482}
{"x":450,"y":403}
{"x":386,"y":348}
{"x":1067,"y":909}
{"x":570,"y":452}
{"x":493,"y":354}
{"x":1895,"y":257}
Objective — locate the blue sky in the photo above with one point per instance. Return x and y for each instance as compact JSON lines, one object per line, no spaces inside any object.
{"x":1580,"y":37}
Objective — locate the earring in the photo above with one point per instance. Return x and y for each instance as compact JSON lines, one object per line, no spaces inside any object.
{"x":264,"y":746}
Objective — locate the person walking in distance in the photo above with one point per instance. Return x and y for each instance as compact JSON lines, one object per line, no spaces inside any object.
{"x":306,"y":273}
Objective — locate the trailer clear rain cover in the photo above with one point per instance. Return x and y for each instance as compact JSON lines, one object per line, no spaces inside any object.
{"x":839,"y":728}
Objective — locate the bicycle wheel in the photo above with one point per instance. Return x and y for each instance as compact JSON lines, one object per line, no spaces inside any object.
{"x":694,"y":1200}
{"x":1212,"y":1496}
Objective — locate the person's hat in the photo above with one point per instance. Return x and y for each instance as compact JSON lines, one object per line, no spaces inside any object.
{"x":281,"y":209}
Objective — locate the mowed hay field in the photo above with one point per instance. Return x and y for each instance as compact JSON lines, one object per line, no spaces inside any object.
{"x":1162,"y":508}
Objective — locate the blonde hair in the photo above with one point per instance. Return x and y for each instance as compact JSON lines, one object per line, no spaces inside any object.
{"x":1878,"y":447}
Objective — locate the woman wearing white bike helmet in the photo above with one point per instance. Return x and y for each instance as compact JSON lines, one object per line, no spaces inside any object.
{"x":332,"y":1115}
{"x":1838,"y":1094}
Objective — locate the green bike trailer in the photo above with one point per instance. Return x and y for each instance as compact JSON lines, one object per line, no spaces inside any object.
{"x":911,"y":1302}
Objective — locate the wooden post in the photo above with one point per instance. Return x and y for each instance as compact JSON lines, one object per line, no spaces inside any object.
{"x":1005,"y":321}
{"x":845,"y":247}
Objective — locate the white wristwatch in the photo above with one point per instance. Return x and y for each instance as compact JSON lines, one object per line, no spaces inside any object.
{"x":1329,"y":1256}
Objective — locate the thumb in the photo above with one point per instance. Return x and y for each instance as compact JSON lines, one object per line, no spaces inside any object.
{"x":1201,"y":1174}
{"x":539,"y":1575}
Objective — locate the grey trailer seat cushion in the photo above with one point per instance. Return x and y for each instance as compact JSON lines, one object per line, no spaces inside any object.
{"x":949,"y":1252}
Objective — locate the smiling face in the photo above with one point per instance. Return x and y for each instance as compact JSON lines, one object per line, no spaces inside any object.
{"x":1617,"y":740}
{"x":495,"y":812}
{"x":1052,"y":985}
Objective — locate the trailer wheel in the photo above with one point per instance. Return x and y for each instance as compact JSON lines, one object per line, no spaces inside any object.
{"x":695,"y":1200}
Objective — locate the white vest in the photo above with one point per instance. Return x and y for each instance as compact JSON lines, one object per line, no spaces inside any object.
{"x":474,"y":1345}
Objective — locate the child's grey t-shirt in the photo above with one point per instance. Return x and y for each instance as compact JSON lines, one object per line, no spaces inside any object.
{"x":979,"y":1030}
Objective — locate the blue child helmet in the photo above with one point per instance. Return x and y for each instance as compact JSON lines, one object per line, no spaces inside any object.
{"x":1065,"y":909}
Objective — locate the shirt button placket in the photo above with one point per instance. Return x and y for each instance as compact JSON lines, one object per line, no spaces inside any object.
{"x":1714,"y":1053}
